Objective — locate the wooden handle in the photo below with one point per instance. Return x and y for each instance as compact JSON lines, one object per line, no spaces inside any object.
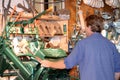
{"x":18,"y":16}
{"x":49,"y":9}
{"x":81,"y":20}
{"x":12,"y":12}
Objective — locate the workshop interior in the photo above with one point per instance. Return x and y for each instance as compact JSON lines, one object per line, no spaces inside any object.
{"x":48,"y":29}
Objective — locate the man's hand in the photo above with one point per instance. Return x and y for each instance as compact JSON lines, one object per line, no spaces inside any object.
{"x":44,"y":63}
{"x":117,"y":75}
{"x":38,"y":59}
{"x":58,"y":64}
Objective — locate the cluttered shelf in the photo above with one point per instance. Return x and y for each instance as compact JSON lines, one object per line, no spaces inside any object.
{"x":34,"y":34}
{"x":51,"y":28}
{"x":43,"y":17}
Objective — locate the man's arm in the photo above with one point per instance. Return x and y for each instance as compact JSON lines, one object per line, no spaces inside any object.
{"x":117,"y":75}
{"x":58,"y":64}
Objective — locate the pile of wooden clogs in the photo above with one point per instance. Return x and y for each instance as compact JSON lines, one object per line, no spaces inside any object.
{"x":94,"y":3}
{"x":47,"y":28}
{"x":113,"y":3}
{"x":100,"y":3}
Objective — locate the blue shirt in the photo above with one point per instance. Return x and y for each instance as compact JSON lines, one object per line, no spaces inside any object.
{"x":97,"y":57}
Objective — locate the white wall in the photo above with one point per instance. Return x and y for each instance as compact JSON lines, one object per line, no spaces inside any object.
{"x":39,"y":7}
{"x":13,"y":3}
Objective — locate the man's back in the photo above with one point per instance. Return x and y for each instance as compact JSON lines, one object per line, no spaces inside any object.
{"x":94,"y":55}
{"x":97,"y":63}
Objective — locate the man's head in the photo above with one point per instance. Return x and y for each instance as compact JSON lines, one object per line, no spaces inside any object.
{"x":94,"y":23}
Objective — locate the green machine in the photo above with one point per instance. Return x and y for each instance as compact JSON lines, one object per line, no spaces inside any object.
{"x":25,"y":66}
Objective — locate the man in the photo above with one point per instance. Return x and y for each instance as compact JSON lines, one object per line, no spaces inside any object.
{"x":97,"y":57}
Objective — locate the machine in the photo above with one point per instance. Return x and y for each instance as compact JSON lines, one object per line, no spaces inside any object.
{"x":25,"y":66}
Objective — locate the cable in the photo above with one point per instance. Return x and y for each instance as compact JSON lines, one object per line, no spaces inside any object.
{"x":50,"y":2}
